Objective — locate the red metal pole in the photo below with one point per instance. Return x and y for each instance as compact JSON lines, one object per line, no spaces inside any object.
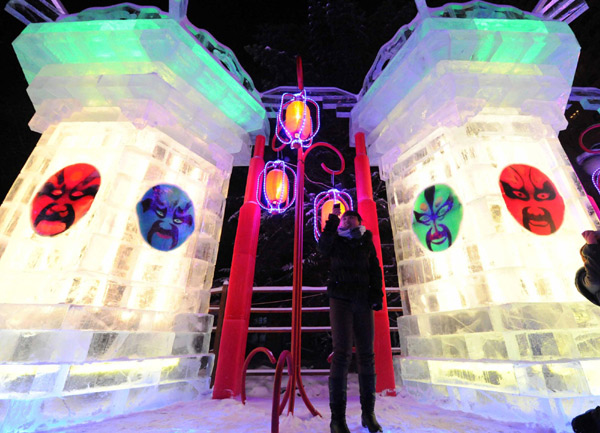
{"x":241,"y":280}
{"x":297,"y":277}
{"x":368,"y":210}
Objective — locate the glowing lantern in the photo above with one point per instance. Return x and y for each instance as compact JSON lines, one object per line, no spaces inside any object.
{"x":323,"y":206}
{"x":297,"y":120}
{"x":273,"y":192}
{"x":277,"y":186}
{"x":327,"y":208}
{"x":297,"y":129}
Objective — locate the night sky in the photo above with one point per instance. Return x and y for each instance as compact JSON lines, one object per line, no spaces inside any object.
{"x":340,"y":57}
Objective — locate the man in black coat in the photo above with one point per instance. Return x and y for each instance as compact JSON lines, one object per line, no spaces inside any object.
{"x":354,"y":290}
{"x":587,"y":281}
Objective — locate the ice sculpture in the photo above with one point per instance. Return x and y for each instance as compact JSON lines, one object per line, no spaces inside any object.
{"x":101,"y":313}
{"x":493,"y":323}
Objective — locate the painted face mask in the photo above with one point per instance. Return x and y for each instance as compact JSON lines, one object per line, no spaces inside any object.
{"x":64,"y":199}
{"x":532,"y":199}
{"x":437,"y":215}
{"x":166,"y":217}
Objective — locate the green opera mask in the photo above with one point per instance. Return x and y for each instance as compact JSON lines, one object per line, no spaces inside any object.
{"x":437,"y":215}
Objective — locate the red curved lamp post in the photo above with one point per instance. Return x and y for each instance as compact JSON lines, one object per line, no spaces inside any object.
{"x":297,"y":139}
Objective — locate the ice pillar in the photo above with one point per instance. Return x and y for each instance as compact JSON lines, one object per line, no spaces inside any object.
{"x":109,"y":235}
{"x":486,"y":213}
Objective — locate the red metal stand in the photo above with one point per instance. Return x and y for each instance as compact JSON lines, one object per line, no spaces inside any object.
{"x":237,"y":310}
{"x":368,"y":210}
{"x":293,"y":359}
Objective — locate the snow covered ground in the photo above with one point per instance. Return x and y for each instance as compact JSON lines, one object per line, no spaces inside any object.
{"x":396,"y":414}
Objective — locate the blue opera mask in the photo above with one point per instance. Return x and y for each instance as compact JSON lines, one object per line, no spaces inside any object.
{"x":166,"y":217}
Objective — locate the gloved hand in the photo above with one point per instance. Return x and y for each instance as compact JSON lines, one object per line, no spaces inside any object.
{"x":376,"y":306}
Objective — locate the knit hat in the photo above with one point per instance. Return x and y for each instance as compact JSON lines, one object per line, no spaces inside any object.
{"x":353,"y":213}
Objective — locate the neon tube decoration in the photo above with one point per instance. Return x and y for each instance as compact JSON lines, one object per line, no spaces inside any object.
{"x":292,"y":358}
{"x":323,"y":205}
{"x":273,"y":187}
{"x":590,"y":149}
{"x":297,"y":127}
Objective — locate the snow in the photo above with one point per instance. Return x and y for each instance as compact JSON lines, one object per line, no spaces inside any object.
{"x":396,"y":414}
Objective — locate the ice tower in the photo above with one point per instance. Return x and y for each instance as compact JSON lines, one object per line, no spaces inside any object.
{"x":109,"y":235}
{"x":486,"y":212}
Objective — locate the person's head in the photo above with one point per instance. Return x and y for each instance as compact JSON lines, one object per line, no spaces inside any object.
{"x":350,"y":219}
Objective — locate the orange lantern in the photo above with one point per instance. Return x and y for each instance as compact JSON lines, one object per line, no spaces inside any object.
{"x":273,"y":191}
{"x":323,"y":206}
{"x":297,"y":120}
{"x":327,"y":208}
{"x":277,"y":186}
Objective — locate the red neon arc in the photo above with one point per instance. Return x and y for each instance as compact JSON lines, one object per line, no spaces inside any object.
{"x":323,"y":166}
{"x":583,"y":146}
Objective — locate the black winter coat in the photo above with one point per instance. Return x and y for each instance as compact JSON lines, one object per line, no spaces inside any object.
{"x":587,"y":279}
{"x":354,"y":272}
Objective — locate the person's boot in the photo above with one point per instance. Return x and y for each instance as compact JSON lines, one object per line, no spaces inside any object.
{"x":366,"y":384}
{"x":337,"y":404}
{"x":587,"y":422}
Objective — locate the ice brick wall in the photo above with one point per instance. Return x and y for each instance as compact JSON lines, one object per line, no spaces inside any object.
{"x":495,"y":322}
{"x":102,"y":312}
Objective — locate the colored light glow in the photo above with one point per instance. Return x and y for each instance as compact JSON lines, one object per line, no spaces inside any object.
{"x":107,"y":244}
{"x":504,"y":25}
{"x":323,"y":205}
{"x":297,"y":120}
{"x":596,"y":179}
{"x":127,"y":42}
{"x":16,"y":370}
{"x":114,"y":367}
{"x":277,"y":186}
{"x":301,"y":103}
{"x":272,"y":189}
{"x":327,"y":209}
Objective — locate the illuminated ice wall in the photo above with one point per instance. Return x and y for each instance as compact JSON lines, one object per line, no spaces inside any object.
{"x":486,"y":212}
{"x":109,"y":235}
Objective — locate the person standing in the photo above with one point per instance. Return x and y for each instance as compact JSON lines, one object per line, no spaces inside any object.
{"x":354,"y":289}
{"x":587,"y":281}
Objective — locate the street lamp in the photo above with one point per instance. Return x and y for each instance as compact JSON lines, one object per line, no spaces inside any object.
{"x":296,"y":130}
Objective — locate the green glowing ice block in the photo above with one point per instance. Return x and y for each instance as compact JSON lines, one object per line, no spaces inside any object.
{"x":123,"y":47}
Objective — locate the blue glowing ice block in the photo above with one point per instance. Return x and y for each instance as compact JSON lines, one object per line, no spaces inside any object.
{"x":493,"y":322}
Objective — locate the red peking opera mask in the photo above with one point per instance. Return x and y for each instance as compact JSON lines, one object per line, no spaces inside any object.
{"x":64,"y":199}
{"x":532,"y":199}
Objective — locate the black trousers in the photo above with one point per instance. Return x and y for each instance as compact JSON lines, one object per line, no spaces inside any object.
{"x":351,"y":319}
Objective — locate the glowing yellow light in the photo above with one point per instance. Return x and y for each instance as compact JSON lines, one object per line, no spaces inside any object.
{"x":327,"y":208}
{"x":277,"y":186}
{"x":297,"y":117}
